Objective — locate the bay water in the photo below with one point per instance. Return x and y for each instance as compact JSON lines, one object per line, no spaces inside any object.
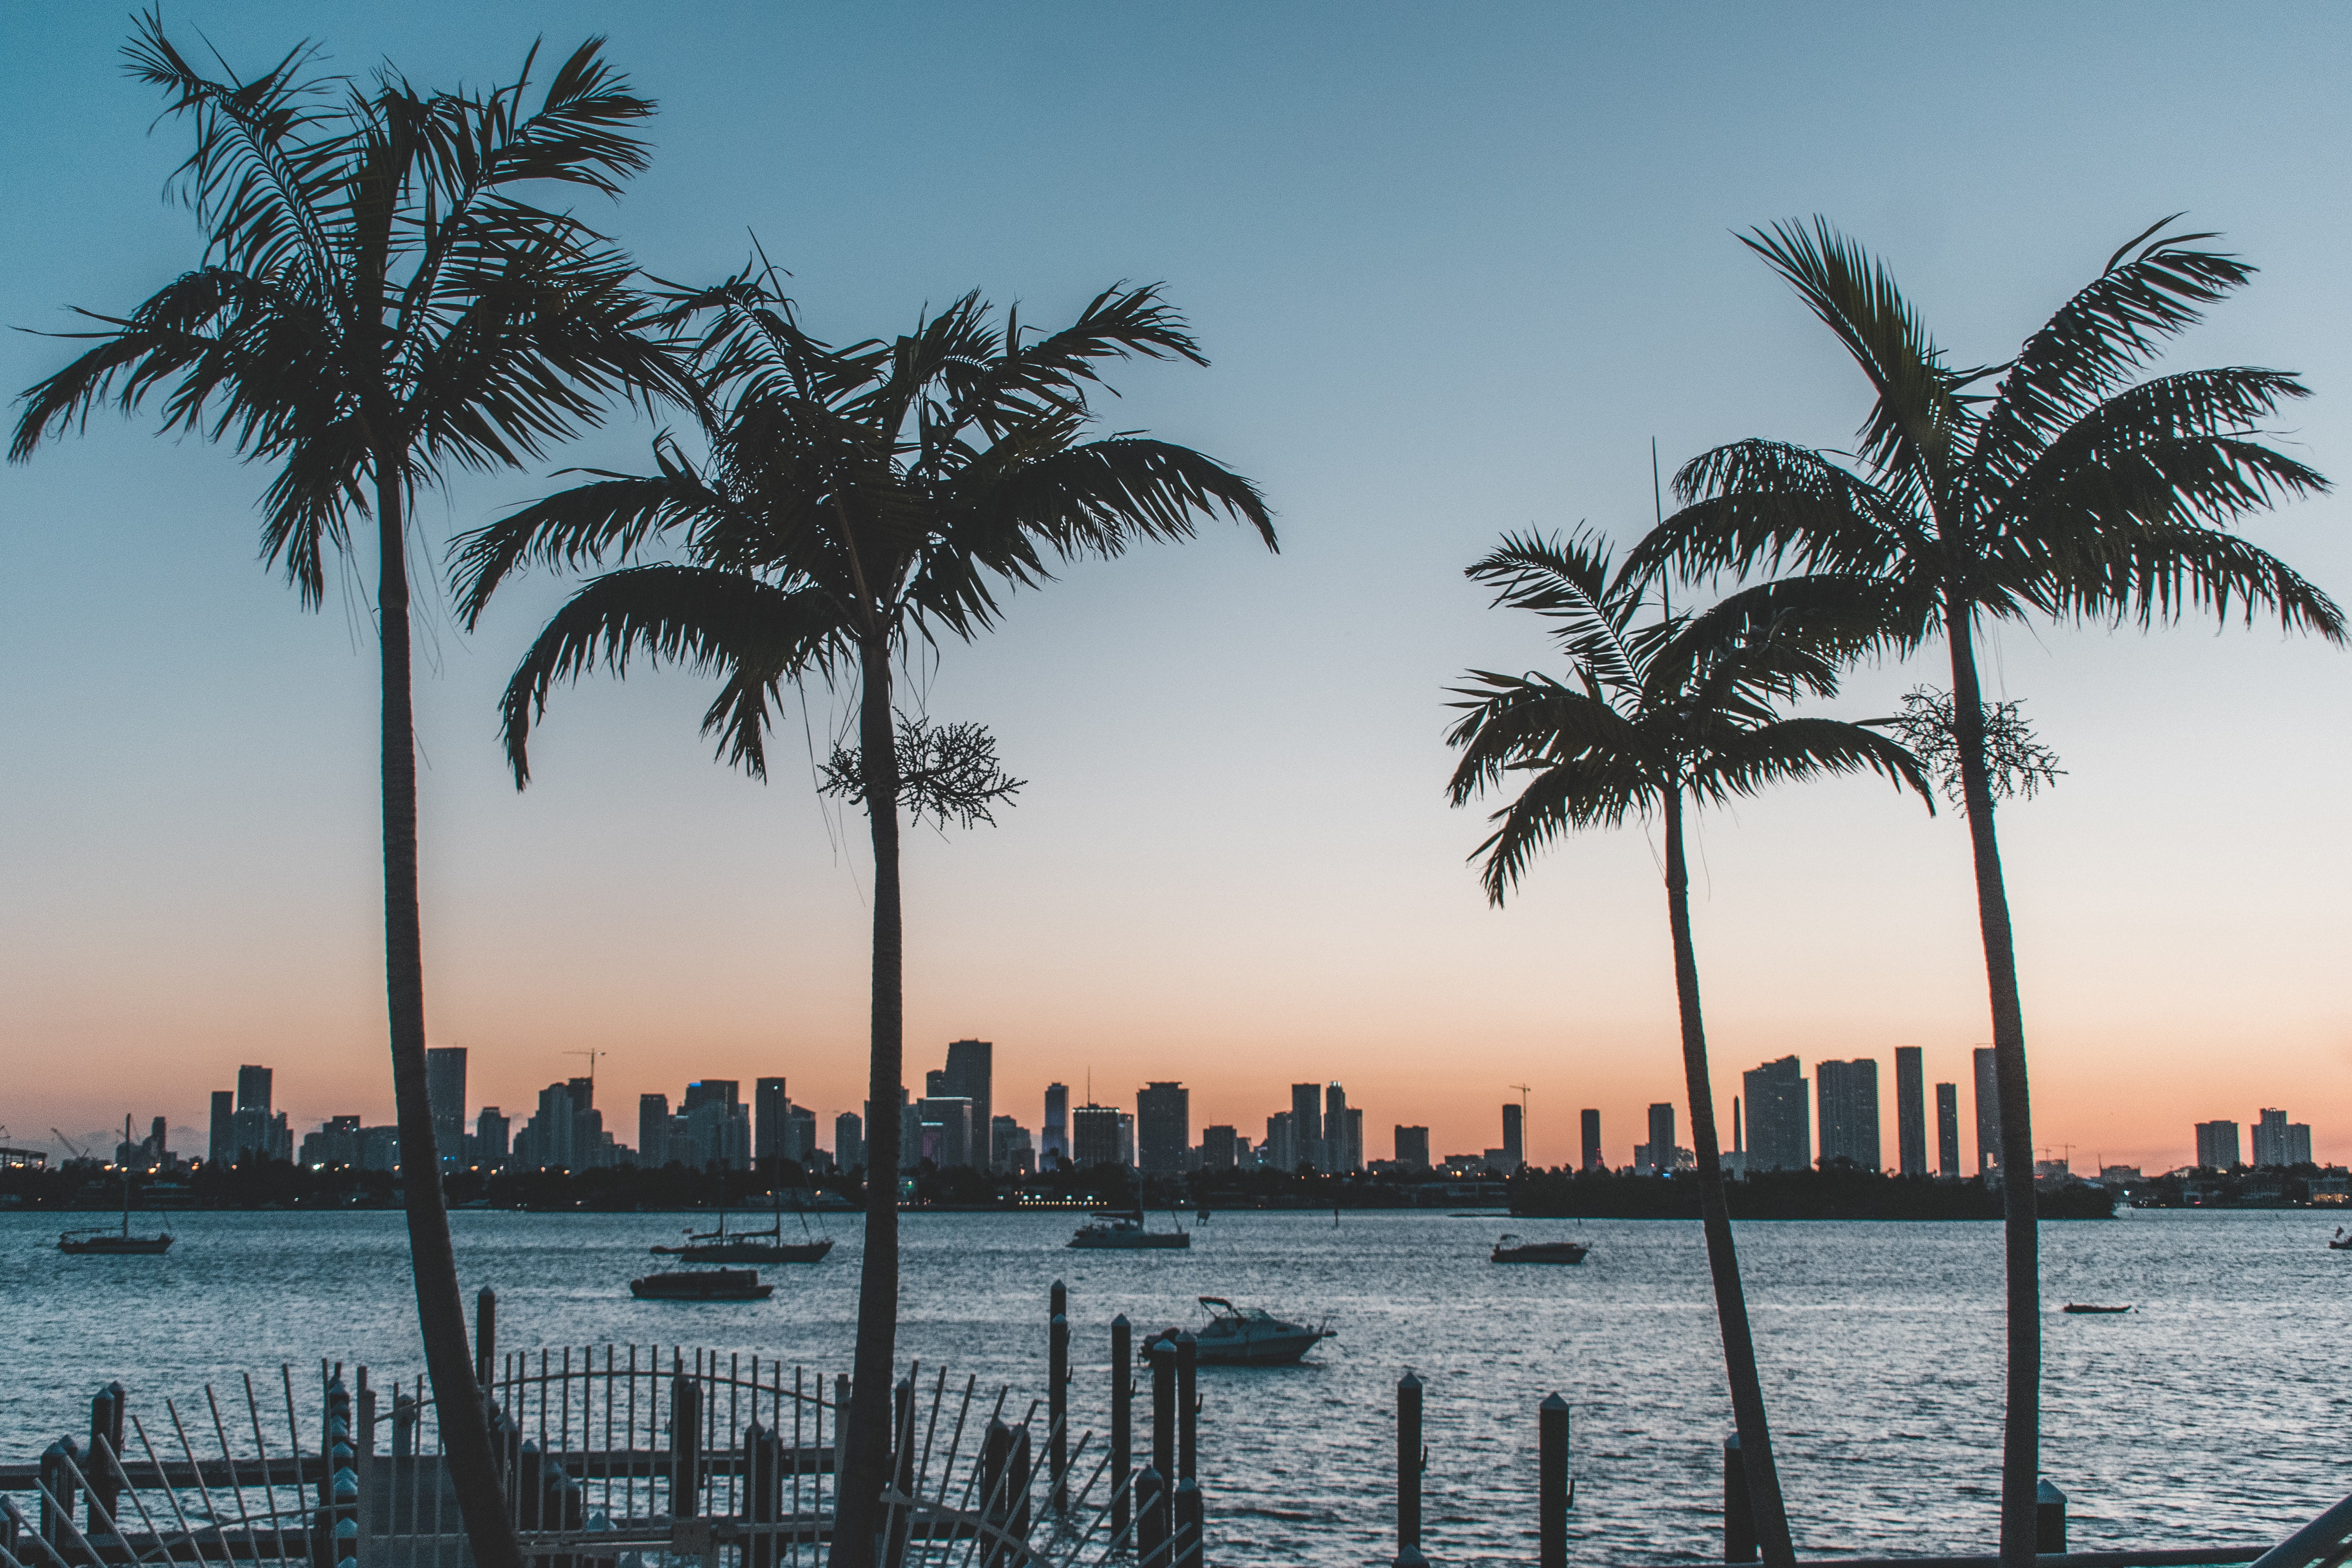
{"x":2214,"y":1411}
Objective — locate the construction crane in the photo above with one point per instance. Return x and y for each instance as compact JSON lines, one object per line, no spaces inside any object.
{"x":1524,"y":1092}
{"x":592,"y":1057}
{"x":69,"y":1143}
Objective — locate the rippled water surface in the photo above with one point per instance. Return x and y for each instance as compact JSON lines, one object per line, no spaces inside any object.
{"x":2214,"y":1411}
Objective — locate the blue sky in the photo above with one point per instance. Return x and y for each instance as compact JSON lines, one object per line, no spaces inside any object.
{"x":1455,"y":270}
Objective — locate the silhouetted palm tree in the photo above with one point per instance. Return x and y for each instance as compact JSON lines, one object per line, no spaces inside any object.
{"x":1683,"y":709}
{"x":377,"y":305}
{"x":2069,"y":492}
{"x":856,"y":502}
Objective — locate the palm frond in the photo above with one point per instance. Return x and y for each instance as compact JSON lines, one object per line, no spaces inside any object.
{"x":753,"y":635}
{"x":1570,"y":582}
{"x":608,"y":519}
{"x":1595,"y":791}
{"x":1515,"y":721}
{"x":1097,"y":497}
{"x":2152,"y":289}
{"x":1768,"y":505}
{"x":2159,"y":571}
{"x":1911,"y":429}
{"x":1791,"y":750}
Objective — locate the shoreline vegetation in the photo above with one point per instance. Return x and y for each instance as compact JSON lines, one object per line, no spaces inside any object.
{"x":1832,"y":1193}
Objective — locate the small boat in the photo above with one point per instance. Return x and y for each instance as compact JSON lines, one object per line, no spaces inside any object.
{"x":2087,"y":1307}
{"x":1511,"y":1249}
{"x":103,"y":1242}
{"x":767,"y":1246}
{"x":1251,"y":1336}
{"x":702,"y":1285}
{"x":2342,"y":1242}
{"x":1126,"y":1233}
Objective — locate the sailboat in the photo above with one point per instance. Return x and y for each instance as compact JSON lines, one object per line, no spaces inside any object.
{"x":118,"y":1242}
{"x":767,"y":1246}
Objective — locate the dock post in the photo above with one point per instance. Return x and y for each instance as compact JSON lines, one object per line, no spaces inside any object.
{"x":101,"y":1465}
{"x":1163,"y":1440}
{"x":404,"y":1426}
{"x":1551,"y":1482}
{"x":1057,"y":1398}
{"x":1412,"y":1457}
{"x":364,"y":1434}
{"x":685,"y":1446}
{"x":59,"y":1462}
{"x":1022,"y":1473}
{"x":486,"y":1338}
{"x":2049,"y":1518}
{"x":1188,"y":1508}
{"x":1738,"y":1514}
{"x":995,"y":1492}
{"x":1150,"y":1519}
{"x":1122,"y":1424}
{"x":763,"y":1488}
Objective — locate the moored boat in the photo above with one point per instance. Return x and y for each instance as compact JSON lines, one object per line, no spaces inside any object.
{"x":767,"y":1246}
{"x":1511,"y":1249}
{"x":104,"y":1243}
{"x":2087,"y":1307}
{"x":1127,"y":1232}
{"x":702,"y":1285}
{"x":1252,"y":1336}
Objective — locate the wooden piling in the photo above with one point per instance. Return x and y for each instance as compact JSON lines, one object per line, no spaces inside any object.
{"x":486,"y":1338}
{"x":1738,"y":1514}
{"x":60,"y":1460}
{"x":1057,"y":1398}
{"x":1163,"y":1437}
{"x":1187,"y":1520}
{"x":1150,"y":1519}
{"x":1413,"y":1456}
{"x":685,"y":1446}
{"x":100,"y":1468}
{"x":1122,"y":1424}
{"x":1188,"y":1408}
{"x":1551,"y":1483}
{"x":995,"y":1492}
{"x":2049,"y":1518}
{"x":763,"y":1478}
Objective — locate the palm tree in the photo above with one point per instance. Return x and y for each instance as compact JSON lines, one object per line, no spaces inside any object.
{"x":377,"y":304}
{"x":857,"y":503}
{"x":1681,"y":710}
{"x":2071,"y":490}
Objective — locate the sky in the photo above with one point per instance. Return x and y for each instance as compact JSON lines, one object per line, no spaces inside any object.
{"x":1455,"y":270}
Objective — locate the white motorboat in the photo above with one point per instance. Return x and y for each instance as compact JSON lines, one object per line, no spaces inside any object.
{"x":1252,"y":1336}
{"x":1126,"y":1233}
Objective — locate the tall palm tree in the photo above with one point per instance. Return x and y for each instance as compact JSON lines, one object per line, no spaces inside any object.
{"x":2073,"y":491}
{"x":378,"y":304}
{"x":857,"y":503}
{"x":1680,"y":709}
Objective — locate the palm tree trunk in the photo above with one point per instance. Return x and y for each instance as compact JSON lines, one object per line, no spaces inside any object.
{"x":2021,"y":1458}
{"x":857,"y":1506}
{"x":1715,"y":1219}
{"x":440,"y":1305}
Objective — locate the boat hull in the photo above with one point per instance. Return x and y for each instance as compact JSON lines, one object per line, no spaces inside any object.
{"x":717,"y":1285}
{"x":749,"y":1252}
{"x":1145,"y":1241}
{"x":114,"y":1245}
{"x":1542,"y":1252}
{"x":1260,"y":1350}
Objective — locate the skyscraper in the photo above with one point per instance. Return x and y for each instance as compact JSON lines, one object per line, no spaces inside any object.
{"x":222,"y":1149}
{"x":1849,"y":1114}
{"x":1779,"y":1124}
{"x":652,"y":1132}
{"x":1591,"y":1120}
{"x":848,"y":1141}
{"x":1094,"y":1136}
{"x":2278,"y":1141}
{"x":1307,"y":1123}
{"x":1342,"y":1143}
{"x":1280,"y":1150}
{"x":491,"y":1134}
{"x":253,"y":1089}
{"x":799,"y":1135}
{"x":770,"y":1119}
{"x":444,"y":1091}
{"x":971,"y":1075}
{"x":1054,"y":1140}
{"x":2217,"y":1144}
{"x":1163,"y":1127}
{"x":1910,"y":1111}
{"x":1412,"y":1147}
{"x":950,"y":1133}
{"x":1662,"y":1140}
{"x":1947,"y":1130}
{"x":1988,"y":1113}
{"x":1515,"y":1136}
{"x":1220,"y":1150}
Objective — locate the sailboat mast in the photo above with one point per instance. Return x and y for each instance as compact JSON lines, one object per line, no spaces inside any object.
{"x":126,"y":1176}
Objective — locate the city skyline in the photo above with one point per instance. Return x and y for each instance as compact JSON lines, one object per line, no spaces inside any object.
{"x":201,"y":888}
{"x":1859,"y":1123}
